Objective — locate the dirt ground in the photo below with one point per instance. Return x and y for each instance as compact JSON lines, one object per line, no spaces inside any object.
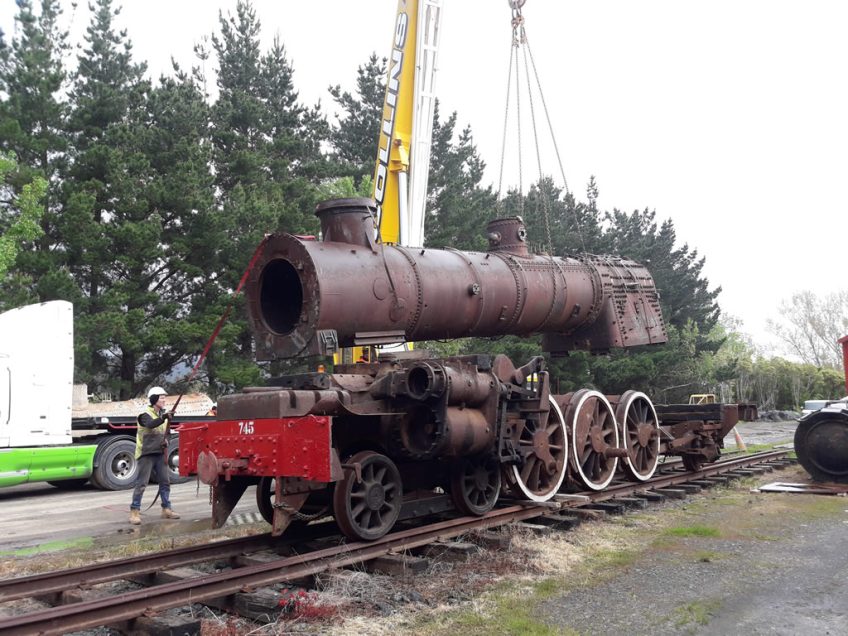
{"x":731,"y":563}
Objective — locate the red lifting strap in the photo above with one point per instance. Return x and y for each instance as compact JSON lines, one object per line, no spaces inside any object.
{"x":223,"y":319}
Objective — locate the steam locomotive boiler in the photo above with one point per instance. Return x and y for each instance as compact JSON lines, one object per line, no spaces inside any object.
{"x":411,"y":433}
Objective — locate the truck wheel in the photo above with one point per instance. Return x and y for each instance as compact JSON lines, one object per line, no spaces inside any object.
{"x":116,"y":466}
{"x":69,"y":484}
{"x":174,"y":463}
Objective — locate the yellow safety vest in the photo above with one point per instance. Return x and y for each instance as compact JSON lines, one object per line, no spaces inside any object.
{"x":141,"y":431}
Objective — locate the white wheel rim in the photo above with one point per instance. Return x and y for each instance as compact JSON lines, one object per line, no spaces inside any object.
{"x":589,"y":483}
{"x":655,"y":441}
{"x":516,"y":474}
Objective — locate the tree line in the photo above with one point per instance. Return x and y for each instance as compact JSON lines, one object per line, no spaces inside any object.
{"x":141,"y":201}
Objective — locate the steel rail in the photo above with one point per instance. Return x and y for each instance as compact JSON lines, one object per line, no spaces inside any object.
{"x":122,"y":607}
{"x":51,"y":582}
{"x":665,"y":480}
{"x":130,"y":605}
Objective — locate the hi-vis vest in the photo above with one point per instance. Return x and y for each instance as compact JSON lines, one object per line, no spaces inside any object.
{"x":141,"y":431}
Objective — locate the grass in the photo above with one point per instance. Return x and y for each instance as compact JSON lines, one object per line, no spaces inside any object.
{"x":819,"y":507}
{"x":695,"y":613}
{"x":692,"y":531}
{"x":759,"y":448}
{"x":60,"y":555}
{"x":614,"y":558}
{"x":51,"y":546}
{"x":548,"y":587}
{"x":507,"y":592}
{"x":510,"y":615}
{"x":708,"y":556}
{"x":512,"y":609}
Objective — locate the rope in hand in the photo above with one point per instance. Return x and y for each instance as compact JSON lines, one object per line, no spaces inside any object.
{"x":223,"y":318}
{"x":209,"y":342}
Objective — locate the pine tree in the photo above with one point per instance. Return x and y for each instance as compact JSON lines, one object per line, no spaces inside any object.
{"x":31,"y":76}
{"x":457,"y":207}
{"x":355,"y":135}
{"x":32,"y":129}
{"x":677,"y":271}
{"x":103,"y":224}
{"x":267,"y":163}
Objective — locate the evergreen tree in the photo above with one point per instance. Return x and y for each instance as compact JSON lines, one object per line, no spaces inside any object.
{"x":678,"y":271}
{"x":457,"y":207}
{"x":32,"y":128}
{"x":267,"y":144}
{"x":139,"y":230}
{"x":31,"y":76}
{"x":574,"y":226}
{"x":19,"y":216}
{"x":355,"y":136}
{"x":104,"y":225}
{"x":183,"y":285}
{"x":267,"y":159}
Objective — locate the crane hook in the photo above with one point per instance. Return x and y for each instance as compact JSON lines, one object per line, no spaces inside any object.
{"x":517,"y":18}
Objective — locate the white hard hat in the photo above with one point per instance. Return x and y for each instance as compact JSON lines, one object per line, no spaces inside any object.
{"x":157,"y":390}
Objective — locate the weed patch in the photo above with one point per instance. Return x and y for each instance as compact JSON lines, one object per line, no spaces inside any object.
{"x":51,"y":546}
{"x":695,"y":613}
{"x":708,"y":556}
{"x":693,"y":531}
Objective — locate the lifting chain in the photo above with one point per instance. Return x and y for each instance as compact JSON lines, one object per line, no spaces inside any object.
{"x":520,"y":41}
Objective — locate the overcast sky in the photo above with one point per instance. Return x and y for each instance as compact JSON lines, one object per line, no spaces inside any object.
{"x":730,"y":116}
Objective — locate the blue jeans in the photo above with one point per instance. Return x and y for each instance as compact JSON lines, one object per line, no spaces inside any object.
{"x":156,"y":464}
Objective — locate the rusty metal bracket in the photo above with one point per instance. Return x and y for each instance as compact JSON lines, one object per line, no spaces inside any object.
{"x":357,"y":470}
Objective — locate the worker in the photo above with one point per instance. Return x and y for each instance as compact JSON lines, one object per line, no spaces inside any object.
{"x":151,"y":448}
{"x":213,"y":411}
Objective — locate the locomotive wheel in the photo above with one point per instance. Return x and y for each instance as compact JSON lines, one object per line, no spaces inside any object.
{"x":475,"y":485}
{"x":265,"y":498}
{"x":640,"y":434}
{"x":593,"y":433}
{"x":265,"y":502}
{"x":545,"y":454}
{"x":821,"y":443}
{"x":368,"y":509}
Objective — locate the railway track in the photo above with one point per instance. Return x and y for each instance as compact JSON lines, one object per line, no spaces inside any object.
{"x":122,"y":609}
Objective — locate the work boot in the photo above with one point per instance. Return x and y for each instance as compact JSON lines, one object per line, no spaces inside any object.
{"x":167,"y":513}
{"x":135,"y":517}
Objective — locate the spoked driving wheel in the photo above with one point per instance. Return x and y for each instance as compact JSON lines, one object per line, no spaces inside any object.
{"x":475,"y":485}
{"x":265,"y":498}
{"x":309,"y":508}
{"x":544,"y":454}
{"x":367,"y":500}
{"x":594,"y":439}
{"x":640,"y":435}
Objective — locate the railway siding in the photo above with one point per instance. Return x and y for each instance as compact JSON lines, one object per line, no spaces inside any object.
{"x":220,"y":586}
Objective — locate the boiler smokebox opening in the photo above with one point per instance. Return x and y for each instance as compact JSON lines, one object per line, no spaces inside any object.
{"x":280,"y":297}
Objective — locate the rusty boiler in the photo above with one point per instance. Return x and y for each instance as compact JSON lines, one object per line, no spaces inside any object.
{"x":311,"y":297}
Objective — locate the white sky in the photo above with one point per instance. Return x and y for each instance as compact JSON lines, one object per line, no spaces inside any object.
{"x":729,"y":117}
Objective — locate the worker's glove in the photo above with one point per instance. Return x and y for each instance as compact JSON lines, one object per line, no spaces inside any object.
{"x":165,"y":415}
